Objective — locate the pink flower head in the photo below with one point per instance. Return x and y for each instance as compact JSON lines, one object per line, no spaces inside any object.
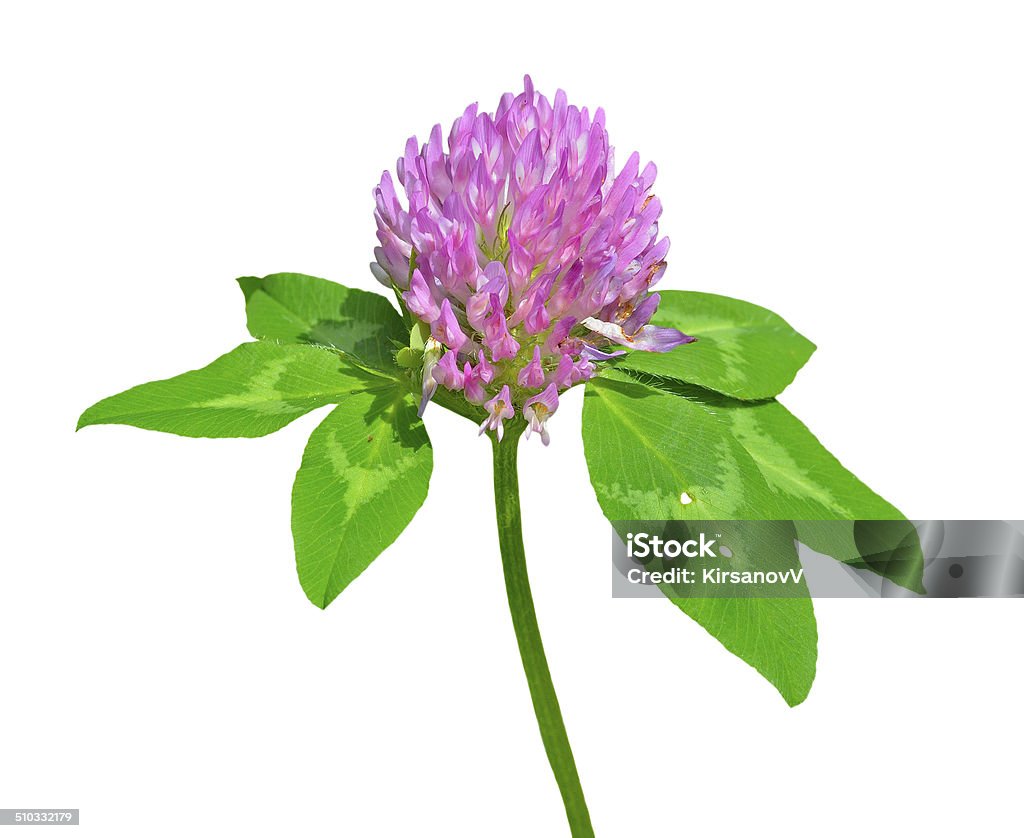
{"x":527,"y":254}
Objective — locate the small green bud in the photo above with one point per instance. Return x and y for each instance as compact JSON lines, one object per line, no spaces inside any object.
{"x":409,"y":358}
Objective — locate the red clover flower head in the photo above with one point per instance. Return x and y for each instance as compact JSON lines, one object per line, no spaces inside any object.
{"x":522,"y":252}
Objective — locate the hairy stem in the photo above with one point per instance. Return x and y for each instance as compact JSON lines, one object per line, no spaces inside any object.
{"x":531,"y":648}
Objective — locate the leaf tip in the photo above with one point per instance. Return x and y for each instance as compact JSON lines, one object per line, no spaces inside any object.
{"x":249,"y":285}
{"x":320,"y":597}
{"x":796,"y":698}
{"x":321,"y":601}
{"x":84,"y":420}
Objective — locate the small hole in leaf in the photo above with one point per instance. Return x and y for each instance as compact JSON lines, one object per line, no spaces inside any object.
{"x":685,"y":498}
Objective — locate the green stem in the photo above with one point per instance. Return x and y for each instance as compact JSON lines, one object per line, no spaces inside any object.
{"x":524,"y":619}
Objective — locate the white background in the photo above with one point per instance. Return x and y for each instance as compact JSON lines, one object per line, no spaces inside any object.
{"x":857,"y":168}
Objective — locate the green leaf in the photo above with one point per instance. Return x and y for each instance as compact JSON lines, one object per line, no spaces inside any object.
{"x":305,"y":309}
{"x":650,"y":450}
{"x":658,"y":449}
{"x":742,"y":350}
{"x":253,"y":390}
{"x":364,"y":473}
